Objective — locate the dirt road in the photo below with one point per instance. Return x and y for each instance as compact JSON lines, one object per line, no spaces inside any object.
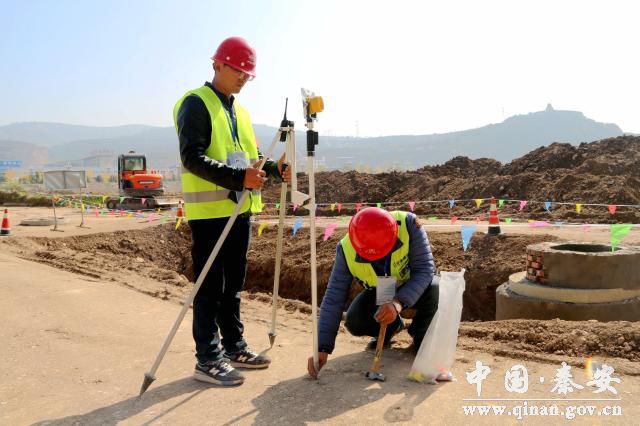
{"x":75,"y":349}
{"x":69,"y":226}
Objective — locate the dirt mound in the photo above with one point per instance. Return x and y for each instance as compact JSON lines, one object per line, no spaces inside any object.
{"x":618,"y":156}
{"x":137,"y":257}
{"x":156,"y":261}
{"x":153,"y":261}
{"x":465,"y":167}
{"x":620,"y":339}
{"x":605,"y":172}
{"x":488,"y":263}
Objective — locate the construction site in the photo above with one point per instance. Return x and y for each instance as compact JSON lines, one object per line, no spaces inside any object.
{"x":86,"y":309}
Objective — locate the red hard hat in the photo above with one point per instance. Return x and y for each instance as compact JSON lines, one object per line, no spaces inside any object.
{"x":373,"y":233}
{"x":236,"y":52}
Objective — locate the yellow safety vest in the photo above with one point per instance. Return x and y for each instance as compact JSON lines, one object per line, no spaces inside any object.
{"x":204,"y":199}
{"x":364,"y":272}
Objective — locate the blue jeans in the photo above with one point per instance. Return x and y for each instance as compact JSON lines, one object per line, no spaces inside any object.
{"x":361,"y":322}
{"x":216,"y":307}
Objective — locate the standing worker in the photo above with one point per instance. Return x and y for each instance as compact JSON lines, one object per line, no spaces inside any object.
{"x":220,"y":158}
{"x":379,"y":243}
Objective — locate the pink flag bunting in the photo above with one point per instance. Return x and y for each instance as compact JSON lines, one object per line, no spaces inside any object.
{"x":142,"y":200}
{"x":295,"y":207}
{"x":612,"y":208}
{"x":523,"y":203}
{"x":339,"y":207}
{"x":454,"y":219}
{"x":412,"y":205}
{"x":328,"y":231}
{"x":358,"y":206}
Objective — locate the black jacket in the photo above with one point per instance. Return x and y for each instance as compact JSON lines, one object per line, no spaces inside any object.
{"x":194,"y":133}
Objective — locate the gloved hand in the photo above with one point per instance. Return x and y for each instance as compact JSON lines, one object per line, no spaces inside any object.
{"x":386,"y":314}
{"x":284,"y":170}
{"x":322,"y":360}
{"x":254,"y":178}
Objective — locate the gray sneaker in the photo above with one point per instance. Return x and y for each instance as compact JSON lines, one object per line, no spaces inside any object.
{"x":247,"y":359}
{"x":219,"y":373}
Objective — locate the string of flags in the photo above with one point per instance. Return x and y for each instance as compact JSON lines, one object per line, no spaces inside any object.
{"x":617,"y":231}
{"x":522,"y":204}
{"x":99,"y":209}
{"x":548,"y":205}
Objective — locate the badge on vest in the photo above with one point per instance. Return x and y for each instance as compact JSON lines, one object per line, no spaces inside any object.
{"x":237,"y":160}
{"x":385,"y":290}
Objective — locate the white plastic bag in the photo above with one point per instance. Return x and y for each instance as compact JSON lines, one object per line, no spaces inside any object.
{"x":438,"y":349}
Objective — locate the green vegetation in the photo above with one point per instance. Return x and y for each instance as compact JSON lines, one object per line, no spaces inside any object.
{"x":14,"y":193}
{"x":11,"y":192}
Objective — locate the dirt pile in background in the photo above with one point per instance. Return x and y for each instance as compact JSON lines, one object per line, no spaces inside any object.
{"x":155,"y":261}
{"x":488,"y":262}
{"x":606,"y":171}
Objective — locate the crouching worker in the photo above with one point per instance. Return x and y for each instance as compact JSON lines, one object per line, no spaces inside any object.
{"x":379,"y":243}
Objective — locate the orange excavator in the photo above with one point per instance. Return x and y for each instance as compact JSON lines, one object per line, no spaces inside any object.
{"x":137,"y":186}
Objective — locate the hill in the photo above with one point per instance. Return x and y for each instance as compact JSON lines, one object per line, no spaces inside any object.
{"x":504,"y":141}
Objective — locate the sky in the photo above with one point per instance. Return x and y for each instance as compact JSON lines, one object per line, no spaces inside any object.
{"x":382,"y":67}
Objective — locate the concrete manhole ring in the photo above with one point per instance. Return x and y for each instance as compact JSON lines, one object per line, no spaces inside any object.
{"x":43,"y":221}
{"x":583,"y":265}
{"x":511,"y":305}
{"x":574,"y":281}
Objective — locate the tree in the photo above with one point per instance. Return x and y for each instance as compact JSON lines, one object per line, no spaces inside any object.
{"x":10,"y":175}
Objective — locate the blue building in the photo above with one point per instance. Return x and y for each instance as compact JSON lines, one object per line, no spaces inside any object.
{"x":7,"y":165}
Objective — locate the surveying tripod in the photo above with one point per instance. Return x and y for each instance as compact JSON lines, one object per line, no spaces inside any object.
{"x":311,"y":105}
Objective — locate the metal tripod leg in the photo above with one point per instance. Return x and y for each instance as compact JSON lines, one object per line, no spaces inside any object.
{"x":149,"y":376}
{"x":276,"y":277}
{"x":298,"y":198}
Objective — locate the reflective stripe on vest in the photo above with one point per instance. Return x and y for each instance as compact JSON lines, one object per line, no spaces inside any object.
{"x":204,"y":199}
{"x":364,"y":272}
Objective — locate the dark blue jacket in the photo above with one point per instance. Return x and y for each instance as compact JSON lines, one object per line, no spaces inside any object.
{"x":422,"y":271}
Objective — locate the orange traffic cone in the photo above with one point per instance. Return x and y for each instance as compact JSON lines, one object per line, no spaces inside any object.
{"x":6,"y":228}
{"x":494,"y":222}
